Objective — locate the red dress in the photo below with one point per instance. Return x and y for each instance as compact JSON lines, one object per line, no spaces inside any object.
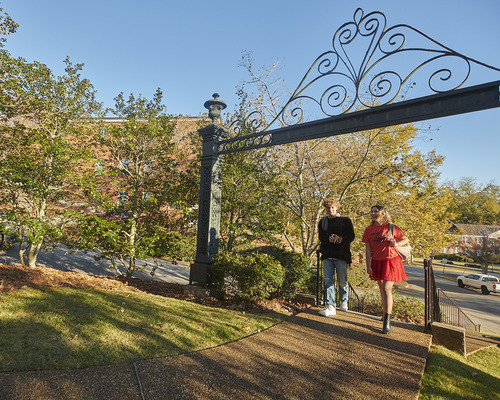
{"x":386,"y":264}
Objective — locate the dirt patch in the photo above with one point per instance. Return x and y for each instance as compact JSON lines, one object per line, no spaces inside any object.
{"x":16,"y":277}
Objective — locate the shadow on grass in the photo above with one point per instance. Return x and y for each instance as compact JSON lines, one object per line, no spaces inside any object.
{"x":69,"y":328}
{"x":450,"y":376}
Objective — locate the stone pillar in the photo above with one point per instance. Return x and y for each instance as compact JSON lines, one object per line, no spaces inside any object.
{"x":207,"y":241}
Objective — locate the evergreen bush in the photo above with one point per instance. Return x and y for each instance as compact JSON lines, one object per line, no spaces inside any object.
{"x":253,"y":277}
{"x":296,"y":266}
{"x":405,"y":308}
{"x":452,"y":257}
{"x":357,"y":276}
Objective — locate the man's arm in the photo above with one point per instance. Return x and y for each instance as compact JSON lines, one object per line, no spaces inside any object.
{"x":349,"y":232}
{"x":368,"y":257}
{"x":322,"y":234}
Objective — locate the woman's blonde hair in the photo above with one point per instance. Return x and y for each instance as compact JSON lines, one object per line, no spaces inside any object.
{"x":385,"y":217}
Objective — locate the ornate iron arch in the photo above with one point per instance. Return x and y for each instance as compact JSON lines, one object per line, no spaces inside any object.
{"x":359,"y":95}
{"x":336,"y":84}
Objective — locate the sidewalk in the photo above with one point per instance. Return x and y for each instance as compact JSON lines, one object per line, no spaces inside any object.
{"x":64,"y":260}
{"x":305,"y":357}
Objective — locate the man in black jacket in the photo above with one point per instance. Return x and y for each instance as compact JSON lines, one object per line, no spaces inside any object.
{"x":335,"y":234}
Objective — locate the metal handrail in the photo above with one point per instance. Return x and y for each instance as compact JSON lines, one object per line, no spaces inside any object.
{"x":439,"y":307}
{"x":355,"y":302}
{"x":452,"y":314}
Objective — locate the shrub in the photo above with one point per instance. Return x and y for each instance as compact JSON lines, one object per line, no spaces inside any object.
{"x":452,"y":257}
{"x":253,"y":277}
{"x":296,"y":266}
{"x":186,"y":247}
{"x":358,"y":277}
{"x":5,"y":244}
{"x":473,"y":265}
{"x":405,"y":308}
{"x":297,"y":274}
{"x":408,"y":309}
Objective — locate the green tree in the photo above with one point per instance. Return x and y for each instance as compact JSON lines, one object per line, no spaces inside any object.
{"x":360,"y":169}
{"x":7,"y":27}
{"x":475,"y":203}
{"x":138,"y":179}
{"x":247,"y":213}
{"x":44,"y":120}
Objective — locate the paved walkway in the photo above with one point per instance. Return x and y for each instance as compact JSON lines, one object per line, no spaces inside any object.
{"x":305,"y":357}
{"x":64,"y":260}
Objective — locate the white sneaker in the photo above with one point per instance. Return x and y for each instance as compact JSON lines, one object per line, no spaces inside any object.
{"x":343,"y":306}
{"x":328,"y":310}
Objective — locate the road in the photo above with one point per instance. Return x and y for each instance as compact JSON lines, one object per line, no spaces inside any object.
{"x":481,"y":309}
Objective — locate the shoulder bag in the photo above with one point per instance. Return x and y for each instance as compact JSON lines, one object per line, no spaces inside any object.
{"x":403,"y":251}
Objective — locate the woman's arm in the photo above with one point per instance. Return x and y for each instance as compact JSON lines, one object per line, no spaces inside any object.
{"x":402,"y":241}
{"x":399,"y":238}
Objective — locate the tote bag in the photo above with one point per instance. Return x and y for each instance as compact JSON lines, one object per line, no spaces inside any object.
{"x":403,"y":251}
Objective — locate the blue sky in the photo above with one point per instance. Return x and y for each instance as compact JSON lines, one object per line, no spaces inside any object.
{"x":191,"y":49}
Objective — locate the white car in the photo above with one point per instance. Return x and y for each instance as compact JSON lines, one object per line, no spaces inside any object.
{"x":487,"y":283}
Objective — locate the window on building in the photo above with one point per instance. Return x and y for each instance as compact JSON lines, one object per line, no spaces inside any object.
{"x":148,"y":167}
{"x":99,"y":167}
{"x":124,"y":166}
{"x":122,"y":197}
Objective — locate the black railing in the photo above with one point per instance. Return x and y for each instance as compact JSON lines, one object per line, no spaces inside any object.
{"x":439,"y":307}
{"x":451,"y":314}
{"x":431,"y":310}
{"x":355,"y":302}
{"x":319,"y":280}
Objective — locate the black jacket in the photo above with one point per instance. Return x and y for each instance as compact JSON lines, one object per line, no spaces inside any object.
{"x":341,"y":226}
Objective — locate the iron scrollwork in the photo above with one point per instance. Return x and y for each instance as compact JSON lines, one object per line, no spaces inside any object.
{"x":355,"y":81}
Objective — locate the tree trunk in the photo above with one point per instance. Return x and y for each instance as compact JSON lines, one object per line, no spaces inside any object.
{"x":33,"y":254}
{"x":484,"y":268}
{"x":131,"y":267}
{"x":21,"y":254}
{"x":132,"y":251}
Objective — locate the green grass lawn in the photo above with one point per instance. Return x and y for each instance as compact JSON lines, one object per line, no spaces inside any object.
{"x":68,"y":328}
{"x":449,"y":376}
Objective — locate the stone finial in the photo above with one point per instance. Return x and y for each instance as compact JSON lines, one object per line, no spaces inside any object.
{"x":215,"y":107}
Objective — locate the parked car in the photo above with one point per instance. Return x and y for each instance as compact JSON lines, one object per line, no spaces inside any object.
{"x":487,"y":283}
{"x":115,"y":216}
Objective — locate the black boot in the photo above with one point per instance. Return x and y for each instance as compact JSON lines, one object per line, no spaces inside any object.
{"x":387,"y":323}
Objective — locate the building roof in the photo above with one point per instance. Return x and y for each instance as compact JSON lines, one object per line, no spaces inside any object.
{"x":475,"y":230}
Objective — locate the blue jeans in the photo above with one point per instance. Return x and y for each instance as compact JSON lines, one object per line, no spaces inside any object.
{"x":329,"y":267}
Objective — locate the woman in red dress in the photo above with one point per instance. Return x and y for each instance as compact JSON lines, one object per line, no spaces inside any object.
{"x":383,"y":263}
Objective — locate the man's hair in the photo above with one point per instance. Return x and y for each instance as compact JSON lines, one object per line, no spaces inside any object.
{"x":330,"y":201}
